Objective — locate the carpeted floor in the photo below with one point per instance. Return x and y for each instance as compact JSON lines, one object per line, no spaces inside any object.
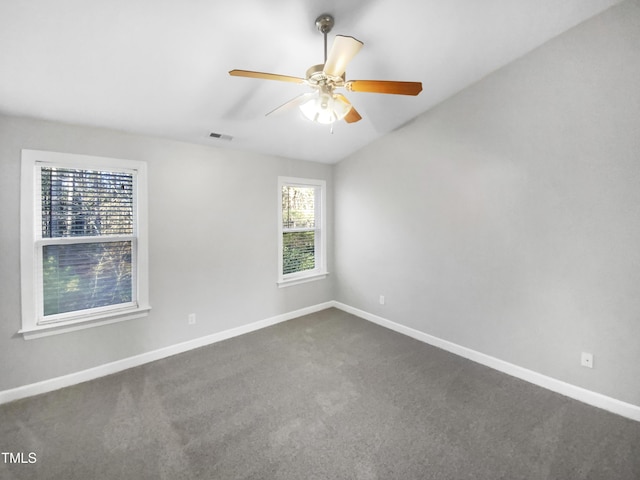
{"x":325,"y":396}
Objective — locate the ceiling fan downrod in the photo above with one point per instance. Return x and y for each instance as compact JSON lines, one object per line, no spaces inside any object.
{"x":325,"y":23}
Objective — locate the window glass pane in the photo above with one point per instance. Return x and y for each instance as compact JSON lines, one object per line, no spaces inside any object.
{"x":86,"y":275}
{"x":79,"y":203}
{"x":298,"y":252}
{"x":298,"y":207}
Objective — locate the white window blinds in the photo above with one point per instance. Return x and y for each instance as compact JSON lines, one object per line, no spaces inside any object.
{"x":85,"y":202}
{"x":87,"y":240}
{"x":302,"y":231}
{"x":298,"y":229}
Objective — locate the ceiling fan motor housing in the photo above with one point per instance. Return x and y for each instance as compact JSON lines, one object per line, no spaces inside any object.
{"x":318,"y":78}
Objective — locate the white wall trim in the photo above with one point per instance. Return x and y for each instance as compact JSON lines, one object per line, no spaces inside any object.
{"x":137,"y":360}
{"x":577,"y":393}
{"x":589,"y":397}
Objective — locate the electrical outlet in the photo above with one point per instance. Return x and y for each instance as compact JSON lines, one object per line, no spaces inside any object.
{"x":192,"y":319}
{"x":586,"y":360}
{"x":381,"y":299}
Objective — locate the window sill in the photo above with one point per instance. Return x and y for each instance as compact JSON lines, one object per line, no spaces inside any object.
{"x":289,"y":282}
{"x":81,"y":323}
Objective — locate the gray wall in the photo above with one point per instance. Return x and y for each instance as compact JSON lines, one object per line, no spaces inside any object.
{"x":205,"y":256}
{"x":507,"y":219}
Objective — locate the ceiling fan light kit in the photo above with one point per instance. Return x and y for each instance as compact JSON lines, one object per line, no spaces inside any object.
{"x":325,"y":106}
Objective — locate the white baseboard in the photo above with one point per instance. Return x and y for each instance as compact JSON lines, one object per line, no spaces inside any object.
{"x":129,"y":362}
{"x":577,"y":393}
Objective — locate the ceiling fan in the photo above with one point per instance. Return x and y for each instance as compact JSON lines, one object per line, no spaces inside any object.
{"x":324,"y":105}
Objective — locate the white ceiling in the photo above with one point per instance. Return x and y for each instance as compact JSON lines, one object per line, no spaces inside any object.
{"x":159,"y":67}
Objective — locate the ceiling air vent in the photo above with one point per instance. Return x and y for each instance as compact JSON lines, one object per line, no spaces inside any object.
{"x":220,"y":136}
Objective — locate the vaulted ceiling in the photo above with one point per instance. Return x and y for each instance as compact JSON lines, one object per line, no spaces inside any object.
{"x":160,"y":67}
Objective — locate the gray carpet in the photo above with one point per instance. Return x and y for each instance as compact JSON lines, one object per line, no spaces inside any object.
{"x":325,"y":396}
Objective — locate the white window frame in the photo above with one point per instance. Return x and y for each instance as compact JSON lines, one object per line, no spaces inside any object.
{"x":320,"y":243}
{"x":34,"y":325}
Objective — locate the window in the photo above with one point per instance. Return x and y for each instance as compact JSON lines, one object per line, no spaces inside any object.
{"x":301,"y":220}
{"x":83,"y":242}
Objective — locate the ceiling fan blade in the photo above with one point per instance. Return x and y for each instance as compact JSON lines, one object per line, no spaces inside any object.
{"x":342,"y":51}
{"x":266,"y":76}
{"x":294,"y":102}
{"x":384,"y":86}
{"x":352,"y":116}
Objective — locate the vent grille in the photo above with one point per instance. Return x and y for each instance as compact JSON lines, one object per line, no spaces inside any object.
{"x":220,"y":136}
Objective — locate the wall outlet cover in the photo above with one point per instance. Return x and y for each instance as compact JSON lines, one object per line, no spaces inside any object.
{"x":586,"y":360}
